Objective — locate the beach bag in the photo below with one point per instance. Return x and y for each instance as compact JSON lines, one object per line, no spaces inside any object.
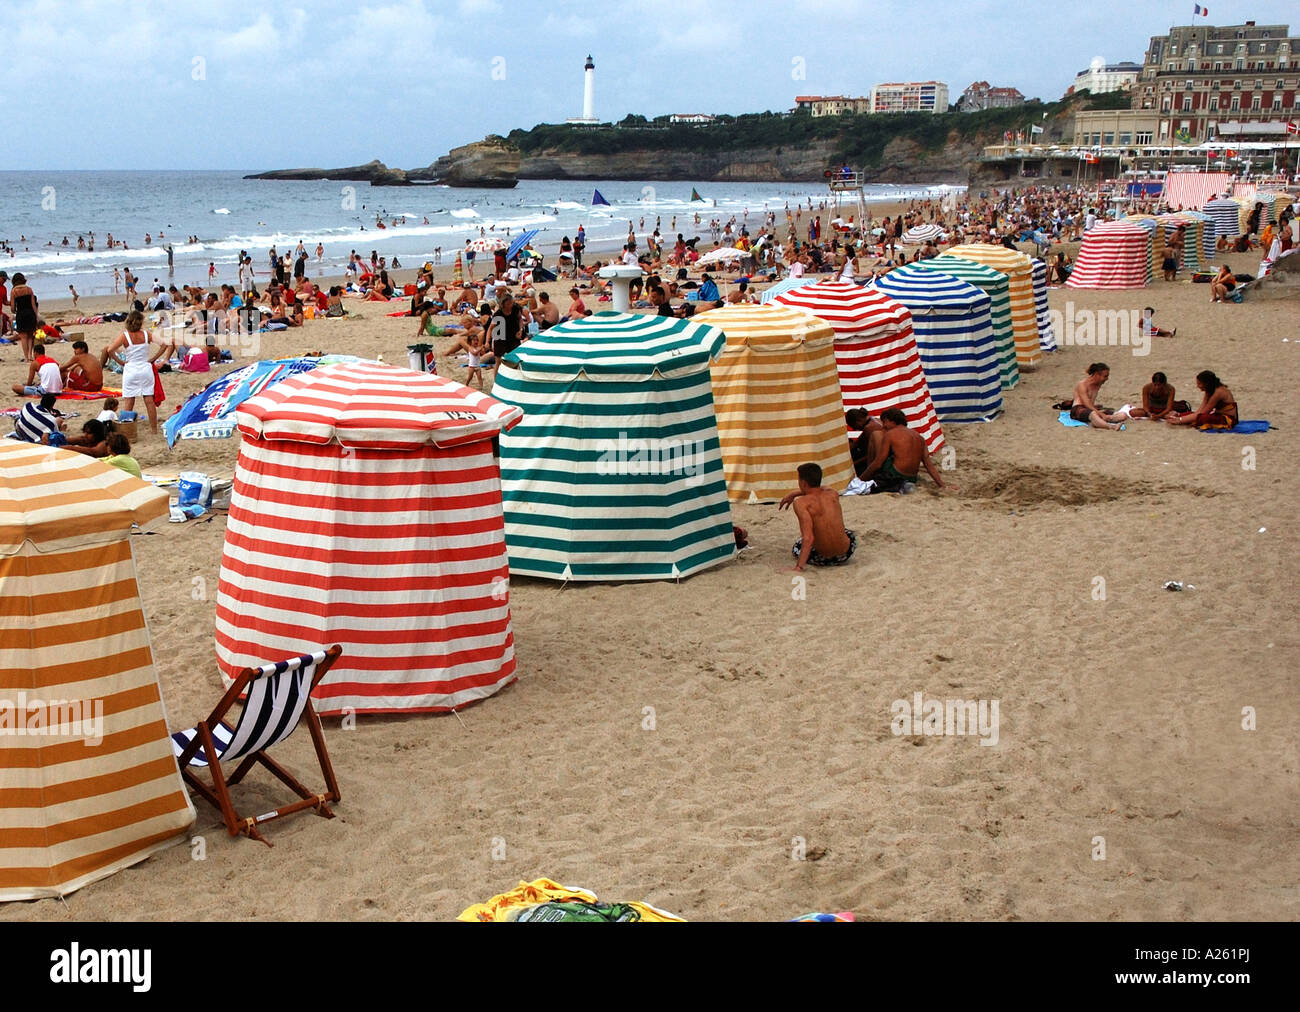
{"x":194,"y":489}
{"x":196,"y":360}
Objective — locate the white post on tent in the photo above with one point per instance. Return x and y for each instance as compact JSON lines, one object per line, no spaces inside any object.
{"x":620,"y":278}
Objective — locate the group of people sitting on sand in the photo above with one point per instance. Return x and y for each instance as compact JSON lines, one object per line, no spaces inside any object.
{"x":1218,"y":408}
{"x":42,"y":422}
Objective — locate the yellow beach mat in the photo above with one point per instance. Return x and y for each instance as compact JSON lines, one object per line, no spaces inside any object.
{"x":544,"y":900}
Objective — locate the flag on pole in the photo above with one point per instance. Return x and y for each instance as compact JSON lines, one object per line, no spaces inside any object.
{"x":1229,"y":153}
{"x":1293,"y":128}
{"x":1007,"y":135}
{"x":1203,"y":11}
{"x":1034,"y":128}
{"x":695,"y":195}
{"x":597,"y":199}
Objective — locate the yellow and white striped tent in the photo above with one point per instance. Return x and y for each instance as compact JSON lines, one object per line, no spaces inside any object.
{"x":776,"y":391}
{"x":88,"y":783}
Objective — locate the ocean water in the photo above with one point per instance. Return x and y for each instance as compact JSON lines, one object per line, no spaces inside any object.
{"x":229,"y":214}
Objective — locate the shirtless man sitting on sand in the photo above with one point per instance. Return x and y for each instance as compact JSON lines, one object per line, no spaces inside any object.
{"x":900,"y":456}
{"x":83,"y":371}
{"x":864,"y":448}
{"x":1085,"y":407}
{"x":823,"y":538}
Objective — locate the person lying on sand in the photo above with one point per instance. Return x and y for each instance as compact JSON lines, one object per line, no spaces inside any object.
{"x":1157,"y":399}
{"x":899,"y":456}
{"x":823,"y":538}
{"x":83,"y":371}
{"x":1085,"y":407}
{"x":1218,"y":408}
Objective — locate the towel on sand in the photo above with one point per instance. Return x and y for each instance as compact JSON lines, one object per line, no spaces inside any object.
{"x":1070,"y":423}
{"x":1245,"y":427}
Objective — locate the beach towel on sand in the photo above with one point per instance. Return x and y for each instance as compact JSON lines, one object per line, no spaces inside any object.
{"x":1071,"y":423}
{"x":89,"y":395}
{"x":544,"y":900}
{"x":1243,"y":428}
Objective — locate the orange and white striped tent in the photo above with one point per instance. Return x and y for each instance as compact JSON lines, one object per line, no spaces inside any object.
{"x":88,"y":784}
{"x":776,"y":392}
{"x":366,"y":511}
{"x":1019,"y":270}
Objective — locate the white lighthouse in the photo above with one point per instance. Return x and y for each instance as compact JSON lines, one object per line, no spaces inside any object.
{"x":589,"y":90}
{"x":588,"y":94}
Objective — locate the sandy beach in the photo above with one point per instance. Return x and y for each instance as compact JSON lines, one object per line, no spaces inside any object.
{"x":772,"y":783}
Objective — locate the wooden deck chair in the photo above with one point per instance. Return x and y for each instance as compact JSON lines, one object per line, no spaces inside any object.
{"x":278,"y":699}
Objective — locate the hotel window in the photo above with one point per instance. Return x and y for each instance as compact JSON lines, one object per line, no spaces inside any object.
{"x":1188,"y":86}
{"x":1144,"y":137}
{"x":1236,"y":103}
{"x":1254,"y":104}
{"x":1218,"y":65}
{"x":1214,"y":104}
{"x":1277,"y":103}
{"x":1108,"y":140}
{"x":1125,"y":139}
{"x":1164,"y":105}
{"x":1258,"y":84}
{"x":1280,"y":84}
{"x":1240,"y":64}
{"x":1236,"y":86}
{"x":1187,"y":103}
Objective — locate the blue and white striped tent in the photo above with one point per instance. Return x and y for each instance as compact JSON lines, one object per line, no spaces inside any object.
{"x":1046,"y":337}
{"x":1209,"y":232}
{"x":954,"y":337}
{"x":995,"y":285}
{"x":783,"y":286}
{"x":615,"y":471}
{"x":1226,"y":213}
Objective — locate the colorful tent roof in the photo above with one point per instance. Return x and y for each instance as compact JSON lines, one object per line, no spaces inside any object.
{"x":954,"y":336}
{"x":96,"y":789}
{"x":1191,"y":190}
{"x":616,"y":472}
{"x":997,"y":287}
{"x":367,"y":512}
{"x":1020,"y":277}
{"x":1046,"y":337}
{"x":776,"y":393}
{"x":783,"y":286}
{"x":1114,"y":254}
{"x":1226,"y":213}
{"x":875,"y":352}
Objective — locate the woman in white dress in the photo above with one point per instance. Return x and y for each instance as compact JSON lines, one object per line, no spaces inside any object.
{"x":136,"y":358}
{"x":849,"y":266}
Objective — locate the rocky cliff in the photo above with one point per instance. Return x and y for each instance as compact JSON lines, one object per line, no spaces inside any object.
{"x":492,"y":163}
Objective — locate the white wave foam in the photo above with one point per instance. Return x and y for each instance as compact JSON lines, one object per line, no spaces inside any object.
{"x":464,"y":212}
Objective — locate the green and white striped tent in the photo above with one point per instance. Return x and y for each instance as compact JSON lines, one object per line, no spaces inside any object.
{"x":615,"y":470}
{"x":995,"y":285}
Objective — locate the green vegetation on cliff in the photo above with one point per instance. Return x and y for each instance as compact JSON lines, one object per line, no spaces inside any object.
{"x":859,"y":139}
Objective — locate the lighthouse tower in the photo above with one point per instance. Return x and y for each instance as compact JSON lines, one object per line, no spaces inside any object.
{"x":588,"y":95}
{"x":589,"y":90}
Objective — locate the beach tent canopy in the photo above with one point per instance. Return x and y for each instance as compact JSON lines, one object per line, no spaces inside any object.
{"x":520,"y":241}
{"x":1020,"y":278}
{"x":366,"y":512}
{"x":615,"y":473}
{"x":1156,"y":246}
{"x":1193,"y":238}
{"x":777,"y":396}
{"x":919,"y":235}
{"x":1209,"y":233}
{"x":1192,"y":190}
{"x":1226,"y":213}
{"x":783,"y":286}
{"x":954,"y":336}
{"x":1114,"y":254}
{"x":875,"y":352}
{"x":1046,"y":335}
{"x":95,"y":789}
{"x":995,"y":285}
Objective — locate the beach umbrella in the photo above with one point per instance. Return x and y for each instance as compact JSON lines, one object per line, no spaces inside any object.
{"x":722,"y":253}
{"x":875,"y":352}
{"x":366,"y":511}
{"x":996,"y":286}
{"x":953,"y":327}
{"x":521,"y":241}
{"x":919,"y":235}
{"x":207,"y":414}
{"x":1020,"y":277}
{"x":784,"y":285}
{"x":487,"y":244}
{"x":776,"y":392}
{"x":615,"y":472}
{"x":97,"y":789}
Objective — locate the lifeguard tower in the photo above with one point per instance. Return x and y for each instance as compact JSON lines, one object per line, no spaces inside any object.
{"x":847,"y":189}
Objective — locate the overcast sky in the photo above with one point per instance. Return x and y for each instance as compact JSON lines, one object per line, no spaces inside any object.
{"x":256,"y":84}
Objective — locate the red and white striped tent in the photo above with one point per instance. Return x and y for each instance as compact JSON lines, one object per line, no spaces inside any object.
{"x":1114,"y":254}
{"x":367,"y":512}
{"x":875,"y":352}
{"x":1190,"y":191}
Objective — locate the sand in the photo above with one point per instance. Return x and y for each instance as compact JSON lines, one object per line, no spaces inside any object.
{"x":771,"y":783}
